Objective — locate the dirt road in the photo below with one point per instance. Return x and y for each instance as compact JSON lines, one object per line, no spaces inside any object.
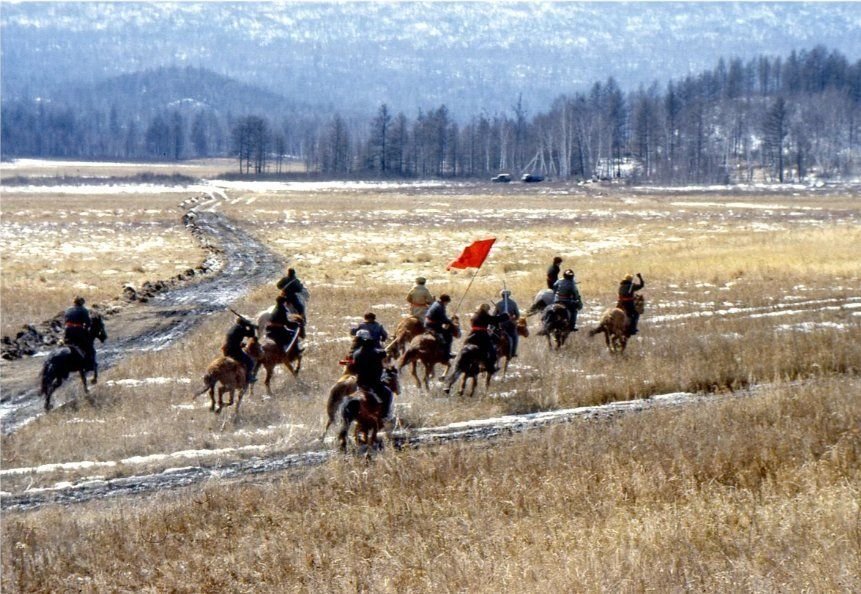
{"x":245,"y":263}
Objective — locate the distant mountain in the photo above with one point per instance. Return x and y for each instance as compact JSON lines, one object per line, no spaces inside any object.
{"x":143,"y":94}
{"x":471,"y":56}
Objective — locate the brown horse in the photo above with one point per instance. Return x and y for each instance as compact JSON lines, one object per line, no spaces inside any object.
{"x":347,"y":386}
{"x":615,"y":325}
{"x":430,"y":351}
{"x":503,"y":349}
{"x":229,"y":375}
{"x":408,"y":328}
{"x":270,"y":354}
{"x":367,"y":412}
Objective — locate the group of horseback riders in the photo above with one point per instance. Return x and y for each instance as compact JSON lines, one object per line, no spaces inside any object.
{"x":285,"y":326}
{"x":565,"y":291}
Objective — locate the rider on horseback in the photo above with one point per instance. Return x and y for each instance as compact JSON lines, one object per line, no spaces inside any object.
{"x":232,"y":346}
{"x":281,"y":328}
{"x":77,"y":322}
{"x":439,"y":323}
{"x":368,"y":366}
{"x":508,"y":307}
{"x":627,"y":288}
{"x":293,"y":290}
{"x":374,"y":328}
{"x":480,"y":334}
{"x":566,"y":292}
{"x":553,"y":272}
{"x":419,"y":298}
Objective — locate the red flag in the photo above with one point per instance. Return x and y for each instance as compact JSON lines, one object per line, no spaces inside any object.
{"x":473,"y":255}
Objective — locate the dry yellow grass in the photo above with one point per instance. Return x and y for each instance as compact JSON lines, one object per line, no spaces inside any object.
{"x":55,"y":245}
{"x":755,"y":494}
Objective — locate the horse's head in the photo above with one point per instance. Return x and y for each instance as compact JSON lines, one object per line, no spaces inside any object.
{"x":522,"y":327}
{"x":297,"y":321}
{"x":639,"y":303}
{"x":97,"y":328}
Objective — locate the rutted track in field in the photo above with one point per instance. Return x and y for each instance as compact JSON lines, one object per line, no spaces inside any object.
{"x":245,"y":263}
{"x":479,"y":430}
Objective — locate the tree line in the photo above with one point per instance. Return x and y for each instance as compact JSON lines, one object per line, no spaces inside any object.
{"x":768,"y":117}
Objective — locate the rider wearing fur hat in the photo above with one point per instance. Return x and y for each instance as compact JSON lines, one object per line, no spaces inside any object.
{"x":565,"y":291}
{"x":627,"y":289}
{"x":419,"y":298}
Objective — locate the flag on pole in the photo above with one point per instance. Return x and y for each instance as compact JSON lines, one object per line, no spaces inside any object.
{"x":473,"y":255}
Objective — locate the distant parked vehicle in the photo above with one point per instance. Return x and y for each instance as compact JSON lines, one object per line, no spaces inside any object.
{"x":501,"y":178}
{"x":531,"y":178}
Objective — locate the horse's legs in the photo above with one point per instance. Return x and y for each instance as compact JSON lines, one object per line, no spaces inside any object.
{"x":239,"y":399}
{"x":84,"y":380}
{"x":95,"y":373}
{"x":212,"y":397}
{"x":414,"y":371}
{"x":269,"y":370}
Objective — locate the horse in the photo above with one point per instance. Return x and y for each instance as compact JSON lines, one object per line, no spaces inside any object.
{"x":503,"y":348}
{"x":347,"y":386}
{"x":367,"y":413}
{"x":428,"y":349}
{"x":269,"y":354}
{"x":615,"y":325}
{"x":556,"y":324}
{"x":230,"y":374}
{"x":408,"y":328}
{"x":63,"y":361}
{"x":264,"y":316}
{"x":543,"y":299}
{"x":470,"y":362}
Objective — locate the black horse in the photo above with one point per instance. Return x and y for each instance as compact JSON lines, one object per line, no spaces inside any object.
{"x":556,"y":324}
{"x":65,"y":360}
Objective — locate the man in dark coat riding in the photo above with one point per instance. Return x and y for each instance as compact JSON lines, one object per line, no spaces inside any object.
{"x":508,"y":307}
{"x":368,"y":367}
{"x":281,"y":328}
{"x":233,"y":343}
{"x":438,"y":322}
{"x":627,"y":289}
{"x":76,"y":331}
{"x":553,"y":272}
{"x":566,"y":292}
{"x":480,"y":336}
{"x":292,"y":288}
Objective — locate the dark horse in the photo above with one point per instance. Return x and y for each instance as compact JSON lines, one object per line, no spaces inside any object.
{"x":65,"y":360}
{"x":367,"y":412}
{"x":556,"y":324}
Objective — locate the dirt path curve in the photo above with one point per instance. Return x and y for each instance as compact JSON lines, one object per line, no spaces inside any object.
{"x":187,"y":476}
{"x":246,"y":263}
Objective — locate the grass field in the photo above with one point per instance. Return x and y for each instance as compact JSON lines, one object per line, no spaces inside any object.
{"x":757,"y":494}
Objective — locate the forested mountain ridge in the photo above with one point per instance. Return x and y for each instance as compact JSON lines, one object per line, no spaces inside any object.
{"x":470,"y":56}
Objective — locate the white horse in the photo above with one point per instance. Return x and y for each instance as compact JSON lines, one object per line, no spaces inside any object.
{"x":543,"y":298}
{"x":264,"y":316}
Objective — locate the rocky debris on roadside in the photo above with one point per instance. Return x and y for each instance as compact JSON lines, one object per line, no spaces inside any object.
{"x":33,"y":338}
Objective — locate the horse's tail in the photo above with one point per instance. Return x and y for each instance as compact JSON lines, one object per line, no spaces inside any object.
{"x":596,"y":330}
{"x":209,"y":381}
